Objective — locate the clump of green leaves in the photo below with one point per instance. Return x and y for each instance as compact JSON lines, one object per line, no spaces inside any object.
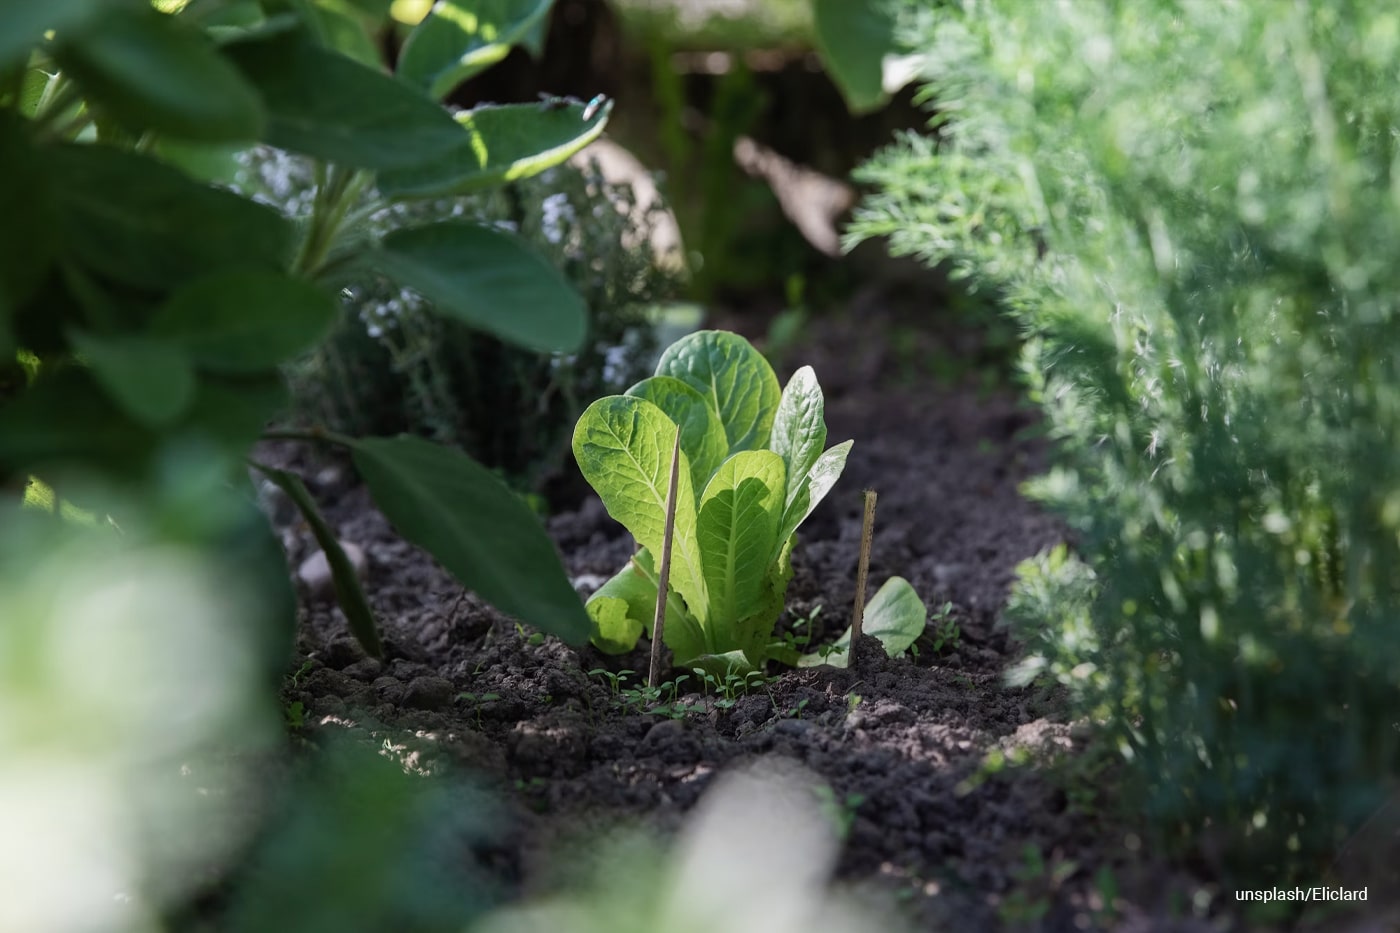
{"x":146,"y":312}
{"x":1191,"y":210}
{"x":394,"y":363}
{"x":753,"y":466}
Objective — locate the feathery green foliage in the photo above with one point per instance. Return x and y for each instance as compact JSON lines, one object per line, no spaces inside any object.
{"x":1193,"y":209}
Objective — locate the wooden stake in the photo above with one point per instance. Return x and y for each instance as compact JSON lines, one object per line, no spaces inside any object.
{"x":867,"y":533}
{"x":663,"y":572}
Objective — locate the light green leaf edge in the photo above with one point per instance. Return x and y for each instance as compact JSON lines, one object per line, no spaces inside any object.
{"x":895,"y":615}
{"x":734,"y":378}
{"x":738,"y":531}
{"x":445,"y":49}
{"x":799,"y":427}
{"x":494,"y":150}
{"x":623,"y":447}
{"x":702,"y":436}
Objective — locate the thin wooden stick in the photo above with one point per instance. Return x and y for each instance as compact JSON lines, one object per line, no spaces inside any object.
{"x":867,"y":533}
{"x":663,"y":572}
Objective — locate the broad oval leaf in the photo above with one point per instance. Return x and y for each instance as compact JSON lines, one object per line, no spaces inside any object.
{"x":149,"y":378}
{"x":854,"y":37}
{"x":734,"y":378}
{"x":895,"y":615}
{"x":242,"y":321}
{"x":813,"y":487}
{"x":497,"y":144}
{"x":623,"y":447}
{"x":702,"y":436}
{"x":137,"y":221}
{"x":458,"y":39}
{"x":489,"y":279}
{"x":325,"y":105}
{"x":149,"y":71}
{"x":348,"y":591}
{"x":738,"y":531}
{"x":451,"y":506}
{"x":799,"y":428}
{"x":625,"y":606}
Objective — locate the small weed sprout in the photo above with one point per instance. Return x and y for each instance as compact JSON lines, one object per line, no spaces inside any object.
{"x":478,"y":700}
{"x":839,"y":811}
{"x":946,"y":631}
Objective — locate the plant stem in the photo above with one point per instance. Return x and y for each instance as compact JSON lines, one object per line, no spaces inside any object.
{"x":867,"y":533}
{"x":663,"y":572}
{"x":334,"y":198}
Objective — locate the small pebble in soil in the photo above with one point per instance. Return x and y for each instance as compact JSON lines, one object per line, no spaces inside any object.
{"x":315,"y":572}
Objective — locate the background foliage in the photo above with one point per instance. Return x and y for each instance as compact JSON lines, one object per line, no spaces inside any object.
{"x":1193,"y":210}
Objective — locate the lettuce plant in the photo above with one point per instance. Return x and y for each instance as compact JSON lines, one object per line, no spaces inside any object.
{"x":753,"y":466}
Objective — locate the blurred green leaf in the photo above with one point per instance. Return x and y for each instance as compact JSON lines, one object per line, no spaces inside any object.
{"x":348,"y":592}
{"x":28,"y":238}
{"x":500,"y":144}
{"x":459,"y":39}
{"x":136,"y":221}
{"x":340,"y":26}
{"x":489,"y":279}
{"x":476,"y":527}
{"x":240,"y":321}
{"x":231,"y":412}
{"x":149,"y":71}
{"x":151,"y":379}
{"x":23,"y":24}
{"x":854,"y":36}
{"x":324,"y":105}
{"x":67,"y":420}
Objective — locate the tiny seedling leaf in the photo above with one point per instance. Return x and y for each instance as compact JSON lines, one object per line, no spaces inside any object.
{"x":895,"y":615}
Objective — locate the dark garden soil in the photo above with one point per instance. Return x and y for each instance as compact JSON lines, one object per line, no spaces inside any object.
{"x":1038,"y":843}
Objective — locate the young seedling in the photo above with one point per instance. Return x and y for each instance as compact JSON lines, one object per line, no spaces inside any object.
{"x":753,"y":464}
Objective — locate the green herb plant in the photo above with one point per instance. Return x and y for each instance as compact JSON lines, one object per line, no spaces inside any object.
{"x":145,"y":311}
{"x":753,"y":466}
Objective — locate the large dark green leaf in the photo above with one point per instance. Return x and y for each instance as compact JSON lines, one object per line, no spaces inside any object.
{"x":450,"y":505}
{"x":149,"y":71}
{"x":242,"y":321}
{"x":459,"y":39}
{"x":68,"y":420}
{"x":23,"y":24}
{"x":151,"y":379}
{"x":327,"y":106}
{"x":27,"y":235}
{"x":489,"y":279}
{"x":346,"y":581}
{"x":854,"y":36}
{"x":230,"y":412}
{"x":137,"y":221}
{"x":500,"y":144}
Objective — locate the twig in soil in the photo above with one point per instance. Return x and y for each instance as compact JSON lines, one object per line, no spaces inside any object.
{"x":867,"y":532}
{"x":663,"y":574}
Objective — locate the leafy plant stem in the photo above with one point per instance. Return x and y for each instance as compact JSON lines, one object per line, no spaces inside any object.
{"x":664,"y":571}
{"x":333,"y":201}
{"x":867,"y":533}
